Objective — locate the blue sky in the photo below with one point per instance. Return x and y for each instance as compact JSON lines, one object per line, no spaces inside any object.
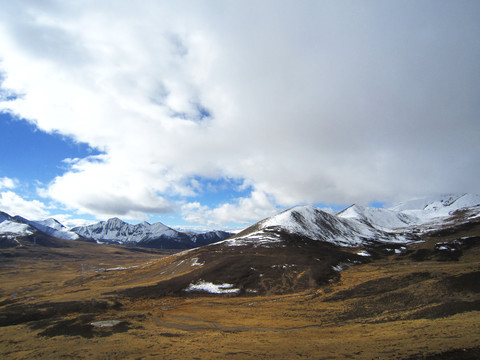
{"x":36,"y":157}
{"x":31,"y":154}
{"x":216,"y":115}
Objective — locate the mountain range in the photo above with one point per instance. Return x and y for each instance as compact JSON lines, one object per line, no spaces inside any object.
{"x":113,"y":231}
{"x":394,"y":283}
{"x":355,"y":226}
{"x":304,"y":247}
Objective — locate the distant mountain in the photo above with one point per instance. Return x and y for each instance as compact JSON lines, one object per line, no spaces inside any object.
{"x":52,"y":223}
{"x":355,"y":226}
{"x":144,"y":234}
{"x":451,"y":202}
{"x":119,"y":231}
{"x":304,"y":247}
{"x":50,"y":227}
{"x":113,"y":231}
{"x":415,"y":212}
{"x":429,"y":208}
{"x":209,"y":237}
{"x":4,"y":216}
{"x":11,"y":227}
{"x":14,"y":228}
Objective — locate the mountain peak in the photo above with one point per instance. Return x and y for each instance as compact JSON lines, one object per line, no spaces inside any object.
{"x":309,"y":222}
{"x":352,"y":211}
{"x":115,"y":220}
{"x":4,"y":216}
{"x":442,"y":200}
{"x":53,"y":223}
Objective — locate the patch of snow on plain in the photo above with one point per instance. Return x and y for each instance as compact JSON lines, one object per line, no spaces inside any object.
{"x":195,"y":262}
{"x":118,"y":268}
{"x":105,"y":323}
{"x":363,"y":253}
{"x":212,"y":288}
{"x":341,"y":267}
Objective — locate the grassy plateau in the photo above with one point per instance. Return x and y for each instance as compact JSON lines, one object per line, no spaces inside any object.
{"x":423,"y":303}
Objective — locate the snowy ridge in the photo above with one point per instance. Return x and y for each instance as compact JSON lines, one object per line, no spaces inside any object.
{"x":4,"y":216}
{"x":384,"y":219}
{"x":56,"y":230}
{"x":442,"y":205}
{"x":358,"y":225}
{"x":318,"y":225}
{"x":117,"y":230}
{"x":354,"y":226}
{"x":114,"y":230}
{"x":8,"y":227}
{"x":145,"y":234}
{"x":312,"y":223}
{"x":415,"y":212}
{"x":51,"y":223}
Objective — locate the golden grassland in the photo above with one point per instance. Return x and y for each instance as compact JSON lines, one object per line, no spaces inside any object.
{"x":390,"y":308}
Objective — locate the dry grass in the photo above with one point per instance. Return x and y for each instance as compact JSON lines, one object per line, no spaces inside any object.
{"x":392,"y":308}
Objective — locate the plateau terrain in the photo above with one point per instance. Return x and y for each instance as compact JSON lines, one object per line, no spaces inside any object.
{"x":366,"y":283}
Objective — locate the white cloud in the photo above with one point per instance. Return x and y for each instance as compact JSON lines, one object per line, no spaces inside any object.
{"x":13,"y":205}
{"x":7,"y":183}
{"x":314,"y":102}
{"x":244,"y":210}
{"x":69,"y":222}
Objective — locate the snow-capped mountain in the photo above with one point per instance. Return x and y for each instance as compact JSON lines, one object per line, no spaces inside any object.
{"x":210,"y":237}
{"x":451,"y":202}
{"x":155,"y":235}
{"x":50,"y":227}
{"x":358,"y":225}
{"x":113,"y":231}
{"x":4,"y":216}
{"x":385,"y":219}
{"x":304,"y":247}
{"x":314,"y":224}
{"x":415,"y":212}
{"x":13,"y":228}
{"x":52,"y":223}
{"x":354,"y":226}
{"x":429,"y":208}
{"x":119,"y":231}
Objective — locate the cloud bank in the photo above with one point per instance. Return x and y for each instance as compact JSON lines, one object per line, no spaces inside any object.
{"x":330,"y":102}
{"x":13,"y":204}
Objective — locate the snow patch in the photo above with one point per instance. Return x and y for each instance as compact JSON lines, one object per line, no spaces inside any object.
{"x":257,"y":238}
{"x":105,"y":323}
{"x":363,"y":253}
{"x":212,"y":288}
{"x":341,"y":266}
{"x":195,"y":262}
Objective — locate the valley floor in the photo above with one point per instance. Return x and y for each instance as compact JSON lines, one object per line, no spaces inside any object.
{"x":396,"y":307}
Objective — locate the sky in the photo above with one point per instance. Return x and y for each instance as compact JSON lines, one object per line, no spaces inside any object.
{"x":216,"y":114}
